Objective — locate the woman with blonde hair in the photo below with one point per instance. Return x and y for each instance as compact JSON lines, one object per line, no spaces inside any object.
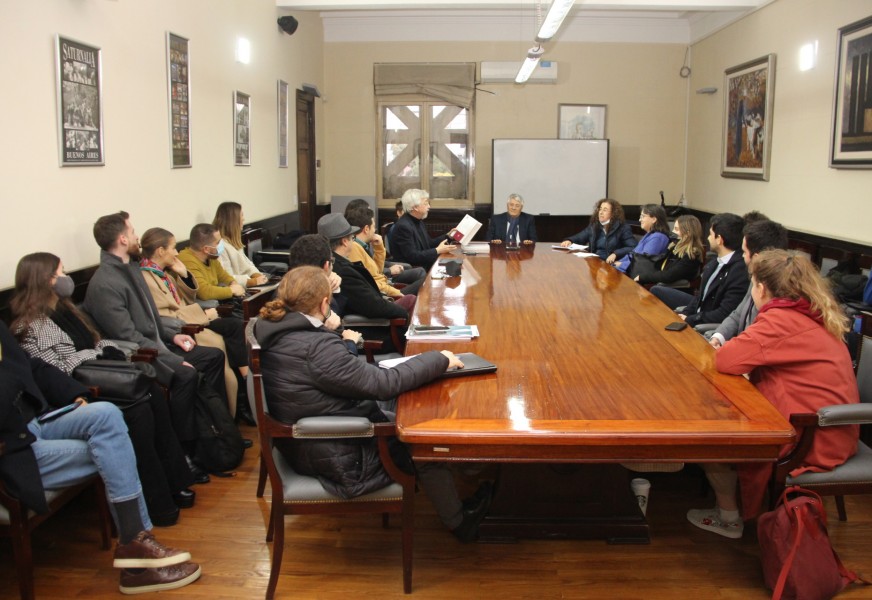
{"x":309,"y":370}
{"x":229,"y":220}
{"x":684,"y":255}
{"x":795,"y":354}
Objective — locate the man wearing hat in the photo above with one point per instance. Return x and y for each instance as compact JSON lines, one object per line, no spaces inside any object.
{"x":359,"y":289}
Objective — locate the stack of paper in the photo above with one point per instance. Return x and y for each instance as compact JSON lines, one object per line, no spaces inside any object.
{"x":434,"y":332}
{"x":466,"y":230}
{"x":570,"y":247}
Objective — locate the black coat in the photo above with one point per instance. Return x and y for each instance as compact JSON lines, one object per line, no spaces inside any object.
{"x":724,"y":294}
{"x":497,"y":229}
{"x":673,"y":268}
{"x":411,"y":243}
{"x":361,"y":294}
{"x":28,"y":387}
{"x":307,"y":372}
{"x":618,"y":241}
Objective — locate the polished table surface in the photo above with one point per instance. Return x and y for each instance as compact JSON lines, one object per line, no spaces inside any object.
{"x":586,"y":372}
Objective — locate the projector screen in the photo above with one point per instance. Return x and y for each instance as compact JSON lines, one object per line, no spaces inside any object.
{"x":555,"y":177}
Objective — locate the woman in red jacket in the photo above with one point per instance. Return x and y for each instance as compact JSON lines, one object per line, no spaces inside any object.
{"x":795,"y":354}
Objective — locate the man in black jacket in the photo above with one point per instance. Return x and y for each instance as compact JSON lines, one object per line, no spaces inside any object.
{"x":45,"y":452}
{"x":724,"y":279}
{"x":359,"y":289}
{"x":410,"y":241}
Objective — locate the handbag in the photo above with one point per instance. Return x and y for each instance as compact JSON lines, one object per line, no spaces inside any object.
{"x":645,"y":264}
{"x":120,"y":382}
{"x":798,"y":560}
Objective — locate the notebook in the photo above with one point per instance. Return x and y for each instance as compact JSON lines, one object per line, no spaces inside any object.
{"x":473,"y":364}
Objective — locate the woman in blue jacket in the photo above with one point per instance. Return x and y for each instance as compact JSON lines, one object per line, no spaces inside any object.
{"x":653,"y":244}
{"x":607,"y":236}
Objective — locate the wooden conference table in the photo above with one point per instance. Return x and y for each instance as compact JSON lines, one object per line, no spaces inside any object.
{"x":586,"y":374}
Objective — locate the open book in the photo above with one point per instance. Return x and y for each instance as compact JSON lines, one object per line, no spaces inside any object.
{"x":465,"y":230}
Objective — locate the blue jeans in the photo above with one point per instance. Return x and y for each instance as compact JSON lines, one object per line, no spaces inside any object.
{"x":91,"y":439}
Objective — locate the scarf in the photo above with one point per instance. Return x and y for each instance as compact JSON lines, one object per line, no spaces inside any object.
{"x":149,"y":265}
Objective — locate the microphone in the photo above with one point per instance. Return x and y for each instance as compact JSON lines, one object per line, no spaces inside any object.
{"x":662,"y":199}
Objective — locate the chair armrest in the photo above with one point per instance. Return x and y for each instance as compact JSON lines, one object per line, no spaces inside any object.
{"x":845,"y":414}
{"x":191,"y":329}
{"x":224,"y":310}
{"x":147,"y":355}
{"x":333,"y":427}
{"x":204,"y":304}
{"x":369,"y":349}
{"x":704,"y":327}
{"x":361,"y":321}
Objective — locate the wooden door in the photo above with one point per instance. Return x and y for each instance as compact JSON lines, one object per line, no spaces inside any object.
{"x":306,"y":190}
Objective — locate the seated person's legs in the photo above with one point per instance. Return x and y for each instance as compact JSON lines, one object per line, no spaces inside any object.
{"x":671,"y":297}
{"x":409,"y":275}
{"x":724,"y":518}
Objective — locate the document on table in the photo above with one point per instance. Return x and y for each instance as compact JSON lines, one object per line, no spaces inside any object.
{"x":570,"y":247}
{"x":465,"y":230}
{"x":584,"y":254}
{"x":437,"y":333}
{"x":473,"y":364}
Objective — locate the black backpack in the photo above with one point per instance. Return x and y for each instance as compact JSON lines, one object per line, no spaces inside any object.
{"x":219,"y":443}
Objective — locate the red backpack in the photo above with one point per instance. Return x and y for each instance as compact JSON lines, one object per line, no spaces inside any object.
{"x":798,"y":561}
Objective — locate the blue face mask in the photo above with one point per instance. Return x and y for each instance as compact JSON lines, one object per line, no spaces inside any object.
{"x":220,"y":248}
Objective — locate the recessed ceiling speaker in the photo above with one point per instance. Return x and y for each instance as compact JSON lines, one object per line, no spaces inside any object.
{"x":288,"y":24}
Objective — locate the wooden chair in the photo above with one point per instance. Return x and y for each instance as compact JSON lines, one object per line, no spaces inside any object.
{"x":395,"y":327}
{"x":293,"y":493}
{"x":852,"y":477}
{"x":17,"y":522}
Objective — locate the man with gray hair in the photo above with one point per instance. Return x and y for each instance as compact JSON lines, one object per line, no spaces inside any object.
{"x":410,"y":241}
{"x":512,"y":227}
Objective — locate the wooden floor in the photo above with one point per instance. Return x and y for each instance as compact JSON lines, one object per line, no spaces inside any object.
{"x":352,"y":557}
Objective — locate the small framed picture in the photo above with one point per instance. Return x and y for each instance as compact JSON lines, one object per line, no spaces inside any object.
{"x":748,"y":103}
{"x":851,"y":144}
{"x":282,"y":101}
{"x":179,"y":94}
{"x":79,"y":103}
{"x":581,"y":122}
{"x":241,"y":129}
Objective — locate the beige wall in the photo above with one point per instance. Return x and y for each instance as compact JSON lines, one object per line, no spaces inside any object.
{"x":639,"y":82}
{"x":802,"y":192}
{"x":49,"y":208}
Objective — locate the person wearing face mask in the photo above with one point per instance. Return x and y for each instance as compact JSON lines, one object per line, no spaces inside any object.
{"x":201,"y":259}
{"x":607,"y":236}
{"x":49,"y":327}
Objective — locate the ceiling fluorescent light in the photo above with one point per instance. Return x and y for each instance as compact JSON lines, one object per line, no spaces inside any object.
{"x":529,"y":64}
{"x":556,"y":13}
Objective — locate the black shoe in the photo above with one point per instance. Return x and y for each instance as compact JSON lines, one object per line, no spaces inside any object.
{"x":185,"y":498}
{"x":467,"y":531}
{"x":243,"y":413}
{"x":200,"y":476}
{"x":247,"y":443}
{"x":166,"y":520}
{"x":485,"y":490}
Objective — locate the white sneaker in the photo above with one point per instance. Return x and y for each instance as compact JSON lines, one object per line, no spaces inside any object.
{"x":710,"y":520}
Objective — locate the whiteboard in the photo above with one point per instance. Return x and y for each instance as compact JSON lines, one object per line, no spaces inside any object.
{"x":556,"y":177}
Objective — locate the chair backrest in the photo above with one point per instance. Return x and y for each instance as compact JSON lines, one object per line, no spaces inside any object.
{"x":253,"y":240}
{"x":864,"y":370}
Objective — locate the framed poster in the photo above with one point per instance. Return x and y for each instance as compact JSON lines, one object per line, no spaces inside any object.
{"x":747,"y":138}
{"x":283,"y":123}
{"x":179,"y":94}
{"x":851,"y":144}
{"x":242,"y":129}
{"x":581,"y":122}
{"x":80,"y":103}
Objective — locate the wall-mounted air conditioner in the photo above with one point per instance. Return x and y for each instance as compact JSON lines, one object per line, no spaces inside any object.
{"x":505,"y":72}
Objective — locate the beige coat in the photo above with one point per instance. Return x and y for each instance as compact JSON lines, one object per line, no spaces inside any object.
{"x":190,"y":312}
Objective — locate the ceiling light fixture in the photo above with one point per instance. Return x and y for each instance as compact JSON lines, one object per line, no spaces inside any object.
{"x":529,"y":64}
{"x":556,"y":13}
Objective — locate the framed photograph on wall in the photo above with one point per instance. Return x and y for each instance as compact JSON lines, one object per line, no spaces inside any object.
{"x":179,"y":94}
{"x":283,"y":123}
{"x":851,"y":144}
{"x":748,"y":103}
{"x":241,"y":129}
{"x":79,"y":103}
{"x":581,"y":121}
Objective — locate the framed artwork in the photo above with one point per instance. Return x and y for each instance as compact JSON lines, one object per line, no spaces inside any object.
{"x":80,"y":103}
{"x":748,"y":106}
{"x":241,"y":129}
{"x":581,"y":122}
{"x":851,"y":144}
{"x":283,"y":123}
{"x":179,"y":93}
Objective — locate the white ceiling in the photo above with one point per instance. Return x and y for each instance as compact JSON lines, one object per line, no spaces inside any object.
{"x":642,"y":21}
